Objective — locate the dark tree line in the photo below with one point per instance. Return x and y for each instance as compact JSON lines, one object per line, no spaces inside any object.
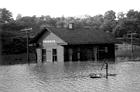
{"x":118,"y":24}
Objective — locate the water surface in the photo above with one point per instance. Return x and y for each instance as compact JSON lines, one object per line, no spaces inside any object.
{"x":69,"y":77}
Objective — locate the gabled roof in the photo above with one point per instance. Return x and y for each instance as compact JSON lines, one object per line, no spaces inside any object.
{"x":79,"y":36}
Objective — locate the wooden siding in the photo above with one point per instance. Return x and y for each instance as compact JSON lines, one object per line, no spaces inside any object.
{"x":53,"y":42}
{"x":74,"y":52}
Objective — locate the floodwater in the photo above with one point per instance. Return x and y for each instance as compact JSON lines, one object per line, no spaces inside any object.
{"x":69,"y":77}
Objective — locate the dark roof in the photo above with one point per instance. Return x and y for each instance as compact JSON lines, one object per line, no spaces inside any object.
{"x":80,"y":36}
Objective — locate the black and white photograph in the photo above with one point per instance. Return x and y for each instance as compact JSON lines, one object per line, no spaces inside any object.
{"x":69,"y":46}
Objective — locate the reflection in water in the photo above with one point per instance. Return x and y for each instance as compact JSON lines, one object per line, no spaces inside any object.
{"x":69,"y":77}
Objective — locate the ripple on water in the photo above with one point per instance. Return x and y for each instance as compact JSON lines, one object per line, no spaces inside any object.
{"x":69,"y":77}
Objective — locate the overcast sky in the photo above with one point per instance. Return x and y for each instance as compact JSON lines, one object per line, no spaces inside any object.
{"x":57,"y":8}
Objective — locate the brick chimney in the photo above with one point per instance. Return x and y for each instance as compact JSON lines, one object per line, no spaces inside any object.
{"x":71,"y":26}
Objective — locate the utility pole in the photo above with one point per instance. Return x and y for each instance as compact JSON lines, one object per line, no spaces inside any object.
{"x":131,"y":46}
{"x":132,"y":49}
{"x":27,"y":43}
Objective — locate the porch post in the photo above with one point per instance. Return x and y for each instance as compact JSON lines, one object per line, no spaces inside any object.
{"x":70,"y":54}
{"x":78,"y":54}
{"x":39,"y":55}
{"x":95,"y":53}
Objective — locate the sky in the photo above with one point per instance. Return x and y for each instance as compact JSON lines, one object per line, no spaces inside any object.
{"x":67,"y":8}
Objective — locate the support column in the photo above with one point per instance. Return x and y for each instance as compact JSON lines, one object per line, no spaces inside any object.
{"x":39,"y":55}
{"x":95,"y":54}
{"x":70,"y":54}
{"x":78,"y":54}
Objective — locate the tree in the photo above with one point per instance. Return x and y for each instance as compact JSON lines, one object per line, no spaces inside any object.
{"x":131,"y":14}
{"x":128,"y":23}
{"x":19,"y":16}
{"x":110,"y":15}
{"x":5,"y":16}
{"x":27,"y":20}
{"x":120,"y":15}
{"x":109,"y":21}
{"x":97,"y":21}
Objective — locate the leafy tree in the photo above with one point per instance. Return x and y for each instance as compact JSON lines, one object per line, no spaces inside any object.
{"x":19,"y":16}
{"x":27,"y":21}
{"x":97,"y":21}
{"x":109,"y":21}
{"x":110,"y":15}
{"x":47,"y":20}
{"x":128,"y":23}
{"x":5,"y":15}
{"x":120,"y":15}
{"x":131,"y":14}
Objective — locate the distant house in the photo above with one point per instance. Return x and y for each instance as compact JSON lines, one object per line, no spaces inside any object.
{"x":69,"y":44}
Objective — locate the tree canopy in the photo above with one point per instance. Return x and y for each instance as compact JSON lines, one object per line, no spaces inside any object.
{"x":5,"y":15}
{"x":118,"y":24}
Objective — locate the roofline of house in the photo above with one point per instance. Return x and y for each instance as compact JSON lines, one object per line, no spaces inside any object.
{"x":45,"y":29}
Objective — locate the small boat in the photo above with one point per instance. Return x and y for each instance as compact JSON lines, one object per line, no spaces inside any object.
{"x":94,"y":75}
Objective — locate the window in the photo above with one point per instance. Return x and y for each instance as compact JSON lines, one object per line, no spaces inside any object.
{"x":43,"y":55}
{"x":54,"y":55}
{"x":103,"y":49}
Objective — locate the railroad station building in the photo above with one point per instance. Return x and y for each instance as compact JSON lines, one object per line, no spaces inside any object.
{"x":69,"y":45}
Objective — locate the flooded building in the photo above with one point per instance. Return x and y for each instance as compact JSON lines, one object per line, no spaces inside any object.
{"x":69,"y":44}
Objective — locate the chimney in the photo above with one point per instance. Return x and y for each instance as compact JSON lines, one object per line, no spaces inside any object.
{"x":71,"y":26}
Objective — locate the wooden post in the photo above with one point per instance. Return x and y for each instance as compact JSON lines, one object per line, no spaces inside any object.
{"x":78,"y":54}
{"x":132,"y":48}
{"x":70,"y":54}
{"x":27,"y":33}
{"x":106,"y":70}
{"x":95,"y":54}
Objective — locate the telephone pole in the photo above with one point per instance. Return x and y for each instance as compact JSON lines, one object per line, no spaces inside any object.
{"x":132,"y":48}
{"x":27,"y":41}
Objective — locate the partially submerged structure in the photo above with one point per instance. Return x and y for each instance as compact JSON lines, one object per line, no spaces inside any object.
{"x":69,"y":44}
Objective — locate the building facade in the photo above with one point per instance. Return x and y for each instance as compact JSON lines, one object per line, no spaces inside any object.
{"x":69,"y":45}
